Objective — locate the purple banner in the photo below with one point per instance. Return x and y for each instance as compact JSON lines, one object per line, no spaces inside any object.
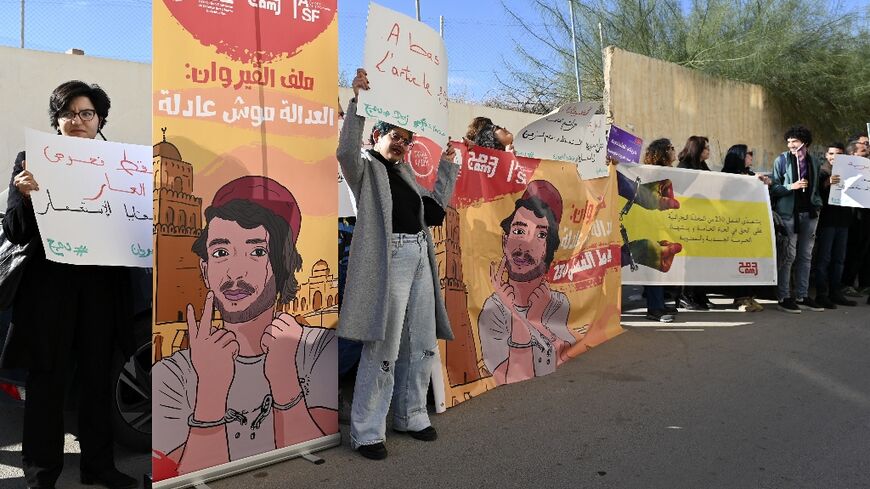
{"x":622,"y":146}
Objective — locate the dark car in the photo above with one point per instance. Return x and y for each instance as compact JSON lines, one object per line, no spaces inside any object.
{"x":131,"y":372}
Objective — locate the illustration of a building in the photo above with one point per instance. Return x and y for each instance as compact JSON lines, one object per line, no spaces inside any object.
{"x":461,"y":353}
{"x":317,"y":298}
{"x":177,"y":223}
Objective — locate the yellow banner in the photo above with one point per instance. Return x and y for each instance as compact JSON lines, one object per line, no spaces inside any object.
{"x":245,"y":210}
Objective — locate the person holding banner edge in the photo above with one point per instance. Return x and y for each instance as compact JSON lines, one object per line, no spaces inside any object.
{"x":79,"y":327}
{"x":392,"y":299}
{"x":795,"y":185}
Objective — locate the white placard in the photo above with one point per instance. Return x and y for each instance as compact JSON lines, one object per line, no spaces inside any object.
{"x":572,"y":133}
{"x":94,"y":205}
{"x":406,"y":64}
{"x":854,"y":187}
{"x":346,"y":200}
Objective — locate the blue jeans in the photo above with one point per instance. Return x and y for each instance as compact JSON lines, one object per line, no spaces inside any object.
{"x":799,"y":252}
{"x":655,"y":297}
{"x":399,"y":367}
{"x":830,"y":258}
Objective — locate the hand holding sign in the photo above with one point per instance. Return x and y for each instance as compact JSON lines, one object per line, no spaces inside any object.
{"x":360,"y":81}
{"x":24,"y":181}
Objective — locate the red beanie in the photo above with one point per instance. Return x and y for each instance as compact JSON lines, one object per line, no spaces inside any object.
{"x":547,"y":193}
{"x":266,"y":193}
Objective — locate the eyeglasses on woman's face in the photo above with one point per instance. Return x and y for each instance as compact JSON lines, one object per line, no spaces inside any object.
{"x":84,"y":115}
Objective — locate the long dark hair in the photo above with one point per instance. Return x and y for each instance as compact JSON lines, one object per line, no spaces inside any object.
{"x":66,"y":92}
{"x":690,"y":156}
{"x":735,"y":160}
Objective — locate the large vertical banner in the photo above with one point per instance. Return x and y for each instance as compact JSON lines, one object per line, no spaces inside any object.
{"x":530,"y":272}
{"x":245,"y":207}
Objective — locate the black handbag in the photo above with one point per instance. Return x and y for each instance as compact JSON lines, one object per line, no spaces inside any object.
{"x":13,"y":259}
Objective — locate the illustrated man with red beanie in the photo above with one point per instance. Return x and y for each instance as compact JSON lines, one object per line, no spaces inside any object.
{"x":523,"y":324}
{"x":236,"y":391}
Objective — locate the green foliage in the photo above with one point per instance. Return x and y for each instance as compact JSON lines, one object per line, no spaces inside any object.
{"x":813,"y":56}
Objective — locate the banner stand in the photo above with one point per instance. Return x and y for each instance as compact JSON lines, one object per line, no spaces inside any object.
{"x":249,"y":463}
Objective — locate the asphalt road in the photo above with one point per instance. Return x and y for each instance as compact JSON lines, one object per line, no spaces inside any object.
{"x":716,"y":400}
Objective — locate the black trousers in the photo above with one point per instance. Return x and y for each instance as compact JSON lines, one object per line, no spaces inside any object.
{"x":86,"y":341}
{"x":857,"y":264}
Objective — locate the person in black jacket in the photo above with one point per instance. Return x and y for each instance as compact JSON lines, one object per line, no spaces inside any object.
{"x":65,"y":315}
{"x":832,"y":235}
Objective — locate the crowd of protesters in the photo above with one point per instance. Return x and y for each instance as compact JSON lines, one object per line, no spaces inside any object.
{"x":820,"y":244}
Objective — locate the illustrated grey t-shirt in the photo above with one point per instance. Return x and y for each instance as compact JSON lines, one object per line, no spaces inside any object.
{"x":496,"y":322}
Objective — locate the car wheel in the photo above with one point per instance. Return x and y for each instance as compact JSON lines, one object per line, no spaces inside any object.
{"x":131,"y":392}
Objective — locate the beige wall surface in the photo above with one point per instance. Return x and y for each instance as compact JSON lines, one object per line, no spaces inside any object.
{"x":655,"y":99}
{"x":28,"y":77}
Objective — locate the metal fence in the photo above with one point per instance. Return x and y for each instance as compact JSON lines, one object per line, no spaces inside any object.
{"x":115,"y":29}
{"x":478,"y":49}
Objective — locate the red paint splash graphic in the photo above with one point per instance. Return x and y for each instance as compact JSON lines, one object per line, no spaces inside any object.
{"x":254,"y":30}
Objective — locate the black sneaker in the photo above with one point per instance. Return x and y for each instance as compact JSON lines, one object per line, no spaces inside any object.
{"x":661,"y":316}
{"x":692,"y":305}
{"x":671,"y":310}
{"x":377,"y":451}
{"x":426,"y":434}
{"x":841,"y":300}
{"x":788,"y":305}
{"x":808,"y":304}
{"x":825,"y":302}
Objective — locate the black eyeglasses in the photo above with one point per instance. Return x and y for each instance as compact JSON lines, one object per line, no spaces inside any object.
{"x":399,"y":139}
{"x":84,"y":115}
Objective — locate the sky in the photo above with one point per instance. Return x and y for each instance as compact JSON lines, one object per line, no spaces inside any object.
{"x":479,"y":34}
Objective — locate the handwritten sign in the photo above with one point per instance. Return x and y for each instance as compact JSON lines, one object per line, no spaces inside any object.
{"x":623,"y":146}
{"x":854,"y":187}
{"x":572,"y":133}
{"x":407,"y":68}
{"x":95,"y":200}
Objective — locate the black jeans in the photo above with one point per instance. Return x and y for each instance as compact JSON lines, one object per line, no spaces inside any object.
{"x":89,"y":345}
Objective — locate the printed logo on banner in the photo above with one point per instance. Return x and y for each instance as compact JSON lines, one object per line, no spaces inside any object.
{"x":487,"y":174}
{"x":423,"y":156}
{"x":748,"y":268}
{"x":306,"y":18}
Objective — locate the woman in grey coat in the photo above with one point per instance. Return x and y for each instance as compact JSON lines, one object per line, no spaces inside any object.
{"x":392,"y":299}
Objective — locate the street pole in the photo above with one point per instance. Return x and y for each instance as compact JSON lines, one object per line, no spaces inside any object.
{"x":441,"y":26}
{"x":22,"y":24}
{"x":574,"y":42}
{"x":418,"y":10}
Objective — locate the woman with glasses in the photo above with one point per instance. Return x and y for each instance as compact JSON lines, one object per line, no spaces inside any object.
{"x":64,"y":316}
{"x":392,"y":300}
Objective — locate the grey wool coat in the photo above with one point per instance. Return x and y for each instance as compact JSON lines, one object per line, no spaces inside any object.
{"x":364,"y":306}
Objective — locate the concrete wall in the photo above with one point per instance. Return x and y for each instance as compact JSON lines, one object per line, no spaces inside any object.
{"x":655,"y":99}
{"x":28,"y":77}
